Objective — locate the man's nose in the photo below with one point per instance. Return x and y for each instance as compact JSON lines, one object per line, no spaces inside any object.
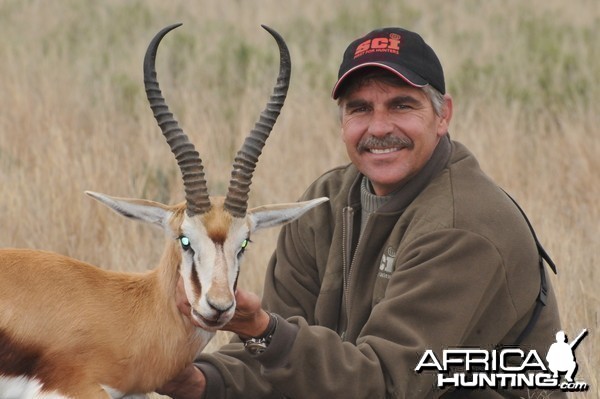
{"x":380,"y":124}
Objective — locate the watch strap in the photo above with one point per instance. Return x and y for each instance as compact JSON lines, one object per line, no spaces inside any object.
{"x":257,"y":345}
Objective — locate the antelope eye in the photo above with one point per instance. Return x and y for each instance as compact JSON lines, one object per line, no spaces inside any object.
{"x":185,"y":242}
{"x":243,"y":247}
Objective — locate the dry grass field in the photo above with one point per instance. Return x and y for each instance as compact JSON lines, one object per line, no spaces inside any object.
{"x":73,"y":117}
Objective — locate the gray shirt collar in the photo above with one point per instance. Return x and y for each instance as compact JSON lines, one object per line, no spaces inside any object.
{"x":402,"y":197}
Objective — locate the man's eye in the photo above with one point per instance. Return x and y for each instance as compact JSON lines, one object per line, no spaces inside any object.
{"x":358,"y":110}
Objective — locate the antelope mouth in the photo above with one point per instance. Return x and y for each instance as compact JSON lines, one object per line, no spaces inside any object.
{"x":210,"y":324}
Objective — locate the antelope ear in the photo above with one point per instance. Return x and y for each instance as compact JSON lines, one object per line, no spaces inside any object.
{"x":136,"y":209}
{"x":278,"y":214}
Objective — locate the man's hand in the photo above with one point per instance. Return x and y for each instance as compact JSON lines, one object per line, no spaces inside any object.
{"x":189,"y":384}
{"x":249,"y":320}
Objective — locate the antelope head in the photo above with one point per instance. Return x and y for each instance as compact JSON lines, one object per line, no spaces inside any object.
{"x":212,"y":232}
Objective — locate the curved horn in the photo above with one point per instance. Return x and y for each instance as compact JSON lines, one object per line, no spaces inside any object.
{"x":188,"y":159}
{"x":245,"y":161}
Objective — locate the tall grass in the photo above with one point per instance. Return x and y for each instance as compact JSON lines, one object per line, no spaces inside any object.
{"x":73,"y":117}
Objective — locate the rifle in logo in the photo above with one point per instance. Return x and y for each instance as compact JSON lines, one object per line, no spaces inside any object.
{"x":561,"y":355}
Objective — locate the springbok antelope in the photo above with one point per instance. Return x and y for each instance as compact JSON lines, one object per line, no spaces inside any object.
{"x":72,"y":330}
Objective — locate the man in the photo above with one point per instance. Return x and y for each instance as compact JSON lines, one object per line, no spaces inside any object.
{"x":417,"y":249}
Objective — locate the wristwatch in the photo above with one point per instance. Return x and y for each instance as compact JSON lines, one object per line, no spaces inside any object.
{"x":257,"y":345}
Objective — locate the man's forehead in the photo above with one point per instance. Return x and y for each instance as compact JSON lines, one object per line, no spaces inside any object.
{"x":371,"y":76}
{"x":380,"y":89}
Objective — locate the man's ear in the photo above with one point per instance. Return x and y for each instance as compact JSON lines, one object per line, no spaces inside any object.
{"x":446,"y":116}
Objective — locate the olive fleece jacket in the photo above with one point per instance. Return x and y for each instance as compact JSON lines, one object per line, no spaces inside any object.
{"x":448,"y":262}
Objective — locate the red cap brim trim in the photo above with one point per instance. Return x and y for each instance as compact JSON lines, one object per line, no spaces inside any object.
{"x":377,"y":64}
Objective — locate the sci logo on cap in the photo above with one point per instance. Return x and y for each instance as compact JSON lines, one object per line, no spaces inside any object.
{"x":506,"y":368}
{"x":389,"y":44}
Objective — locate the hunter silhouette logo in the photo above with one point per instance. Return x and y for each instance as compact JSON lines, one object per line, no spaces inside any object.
{"x":561,"y":357}
{"x":507,"y":367}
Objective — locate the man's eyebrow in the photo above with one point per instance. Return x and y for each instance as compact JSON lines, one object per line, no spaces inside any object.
{"x":358,"y":102}
{"x":401,"y":99}
{"x":404,"y":100}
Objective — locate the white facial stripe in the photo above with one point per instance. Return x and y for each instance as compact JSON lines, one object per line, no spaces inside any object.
{"x":219,"y":293}
{"x":192,"y":232}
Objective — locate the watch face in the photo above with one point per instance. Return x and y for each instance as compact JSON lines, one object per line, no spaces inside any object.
{"x":256,"y":347}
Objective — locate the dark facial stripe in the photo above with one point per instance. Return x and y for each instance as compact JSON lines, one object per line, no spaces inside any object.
{"x":196,"y":281}
{"x":237,"y":276}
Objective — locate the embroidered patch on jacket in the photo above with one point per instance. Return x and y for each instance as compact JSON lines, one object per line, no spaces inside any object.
{"x":386,"y":267}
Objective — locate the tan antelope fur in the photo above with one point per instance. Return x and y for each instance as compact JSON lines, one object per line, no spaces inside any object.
{"x":73,"y":330}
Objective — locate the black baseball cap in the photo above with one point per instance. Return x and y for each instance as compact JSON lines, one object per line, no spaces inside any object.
{"x":398,"y":50}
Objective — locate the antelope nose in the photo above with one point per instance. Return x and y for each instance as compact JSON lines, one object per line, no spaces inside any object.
{"x":220,"y":308}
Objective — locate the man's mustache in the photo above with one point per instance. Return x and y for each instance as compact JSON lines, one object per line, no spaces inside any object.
{"x":387,"y":141}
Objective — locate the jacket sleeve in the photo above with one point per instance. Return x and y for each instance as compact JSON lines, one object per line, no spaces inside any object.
{"x":443,"y":284}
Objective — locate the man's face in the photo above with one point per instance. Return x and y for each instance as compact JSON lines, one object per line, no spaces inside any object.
{"x":390,"y":132}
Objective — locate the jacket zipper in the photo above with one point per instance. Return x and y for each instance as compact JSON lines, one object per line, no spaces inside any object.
{"x":347,"y":260}
{"x":348,"y":213}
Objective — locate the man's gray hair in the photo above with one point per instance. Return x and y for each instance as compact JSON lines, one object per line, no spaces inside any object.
{"x":436,"y":98}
